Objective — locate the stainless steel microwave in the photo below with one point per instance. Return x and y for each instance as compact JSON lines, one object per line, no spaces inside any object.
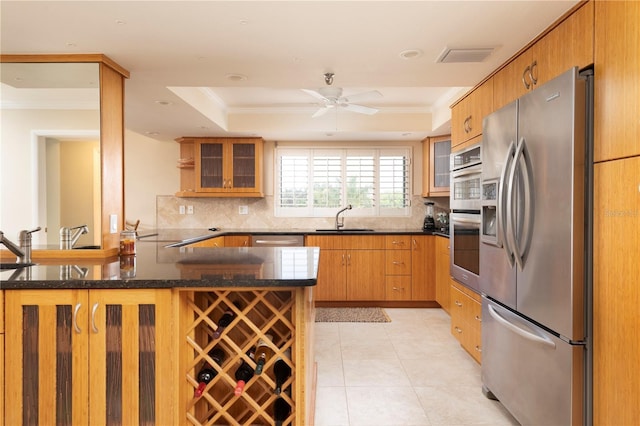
{"x":466,"y":174}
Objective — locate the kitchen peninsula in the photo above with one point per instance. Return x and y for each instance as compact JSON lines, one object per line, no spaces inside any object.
{"x":123,"y":339}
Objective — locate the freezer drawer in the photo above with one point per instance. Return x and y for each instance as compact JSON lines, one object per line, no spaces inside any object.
{"x":535,"y":375}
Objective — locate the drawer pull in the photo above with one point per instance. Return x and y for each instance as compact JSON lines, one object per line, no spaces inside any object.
{"x":478,"y":349}
{"x":458,"y":304}
{"x":395,"y":262}
{"x":478,"y":318}
{"x":398,"y":288}
{"x":458,"y":329}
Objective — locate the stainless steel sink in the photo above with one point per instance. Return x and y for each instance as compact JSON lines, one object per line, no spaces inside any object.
{"x":345,"y":230}
{"x":14,"y":265}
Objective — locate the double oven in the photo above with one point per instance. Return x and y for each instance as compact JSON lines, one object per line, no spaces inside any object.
{"x":464,"y":220}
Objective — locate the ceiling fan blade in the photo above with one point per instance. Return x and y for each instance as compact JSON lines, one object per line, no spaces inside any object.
{"x":360,"y":109}
{"x":364,"y":96}
{"x":314,"y":94}
{"x":321,"y":111}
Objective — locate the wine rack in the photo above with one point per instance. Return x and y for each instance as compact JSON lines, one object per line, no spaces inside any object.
{"x":257,"y":312}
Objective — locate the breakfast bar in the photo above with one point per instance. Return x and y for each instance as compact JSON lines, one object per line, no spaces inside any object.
{"x":123,"y":339}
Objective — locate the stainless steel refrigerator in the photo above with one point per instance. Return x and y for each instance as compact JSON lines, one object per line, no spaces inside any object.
{"x":535,"y":252}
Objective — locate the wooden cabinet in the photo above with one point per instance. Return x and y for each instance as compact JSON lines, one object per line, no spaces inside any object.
{"x":2,"y":387}
{"x":237,"y":240}
{"x":466,"y":319}
{"x":210,"y":242}
{"x":435,"y":166}
{"x":616,"y":369}
{"x":220,"y":167}
{"x":468,"y":113}
{"x":398,"y":267}
{"x":567,"y":45}
{"x":617,"y":84}
{"x":442,"y":273}
{"x":89,"y":357}
{"x":351,"y":268}
{"x":423,"y":267}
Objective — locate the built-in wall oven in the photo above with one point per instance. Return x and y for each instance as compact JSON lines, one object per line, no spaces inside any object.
{"x":464,"y":221}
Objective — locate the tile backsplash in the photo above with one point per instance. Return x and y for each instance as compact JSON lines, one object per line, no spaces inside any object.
{"x":223,"y":213}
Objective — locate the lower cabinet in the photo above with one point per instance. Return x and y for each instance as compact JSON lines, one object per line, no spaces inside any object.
{"x":89,"y":357}
{"x":423,"y":286}
{"x":466,"y":319}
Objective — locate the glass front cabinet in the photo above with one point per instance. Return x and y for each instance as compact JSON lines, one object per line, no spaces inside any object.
{"x":220,"y":167}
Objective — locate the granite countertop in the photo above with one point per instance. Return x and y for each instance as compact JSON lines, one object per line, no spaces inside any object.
{"x":157,"y":266}
{"x":188,"y":236}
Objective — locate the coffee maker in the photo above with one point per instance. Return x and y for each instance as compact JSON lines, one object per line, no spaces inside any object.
{"x":429,"y":221}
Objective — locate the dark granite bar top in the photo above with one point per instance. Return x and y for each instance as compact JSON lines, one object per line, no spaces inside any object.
{"x":156,"y":266}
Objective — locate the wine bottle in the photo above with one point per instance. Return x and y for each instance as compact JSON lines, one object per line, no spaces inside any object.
{"x":263,"y":352}
{"x":207,"y":373}
{"x":243,"y":374}
{"x":281,"y":411}
{"x":224,"y":321}
{"x":281,"y":371}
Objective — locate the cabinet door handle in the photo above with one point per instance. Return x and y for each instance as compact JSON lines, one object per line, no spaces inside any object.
{"x":526,"y":71}
{"x":458,"y":329}
{"x":415,"y":243}
{"x":478,"y":349}
{"x":343,"y":259}
{"x":478,"y":318}
{"x":459,"y":304}
{"x":75,"y":318}
{"x":349,"y":259}
{"x":534,"y":66}
{"x":93,"y":318}
{"x":469,"y":127}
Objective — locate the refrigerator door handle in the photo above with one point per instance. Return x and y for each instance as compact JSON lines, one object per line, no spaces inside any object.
{"x":519,"y":331}
{"x":502,"y":207}
{"x":511,"y":209}
{"x":524,"y":203}
{"x":528,"y":202}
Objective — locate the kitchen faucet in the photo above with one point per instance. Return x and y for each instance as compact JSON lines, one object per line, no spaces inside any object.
{"x":20,"y":255}
{"x":25,"y":243}
{"x":340,"y":223}
{"x":68,"y":238}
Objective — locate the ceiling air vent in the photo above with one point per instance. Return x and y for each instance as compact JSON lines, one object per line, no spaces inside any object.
{"x":451,"y":55}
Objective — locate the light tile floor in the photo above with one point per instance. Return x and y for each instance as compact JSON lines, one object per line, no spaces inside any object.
{"x":410,"y":371}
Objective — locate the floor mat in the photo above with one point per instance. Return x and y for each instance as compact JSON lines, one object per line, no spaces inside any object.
{"x":351,"y":315}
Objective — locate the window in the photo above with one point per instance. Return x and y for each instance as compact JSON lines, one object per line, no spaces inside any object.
{"x":316,"y":182}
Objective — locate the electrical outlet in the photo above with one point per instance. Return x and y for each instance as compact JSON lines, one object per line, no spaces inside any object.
{"x":181,"y":209}
{"x":189,"y":209}
{"x":113,"y":223}
{"x":243,"y":210}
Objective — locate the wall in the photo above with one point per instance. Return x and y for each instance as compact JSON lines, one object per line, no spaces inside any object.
{"x":19,"y":163}
{"x":151,"y":179}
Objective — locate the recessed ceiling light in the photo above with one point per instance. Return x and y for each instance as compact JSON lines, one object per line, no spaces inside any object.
{"x":243,"y":22}
{"x":70,"y":44}
{"x":120,"y":22}
{"x":329,"y":134}
{"x":406,"y":134}
{"x":164,"y":103}
{"x":152,"y":133}
{"x":236,"y":77}
{"x":411,"y":54}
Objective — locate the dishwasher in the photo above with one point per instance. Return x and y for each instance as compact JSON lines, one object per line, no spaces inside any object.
{"x":277,"y":240}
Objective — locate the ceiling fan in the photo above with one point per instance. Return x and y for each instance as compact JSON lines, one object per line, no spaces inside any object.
{"x":332,"y":98}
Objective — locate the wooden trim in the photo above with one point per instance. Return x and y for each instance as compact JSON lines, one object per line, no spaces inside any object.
{"x":525,"y":47}
{"x":378,"y":304}
{"x":82,"y":57}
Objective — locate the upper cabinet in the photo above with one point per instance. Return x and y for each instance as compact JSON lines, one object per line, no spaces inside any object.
{"x":468,"y":113}
{"x":569,"y":44}
{"x":220,"y":167}
{"x":435,"y":166}
{"x":617,"y":85}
